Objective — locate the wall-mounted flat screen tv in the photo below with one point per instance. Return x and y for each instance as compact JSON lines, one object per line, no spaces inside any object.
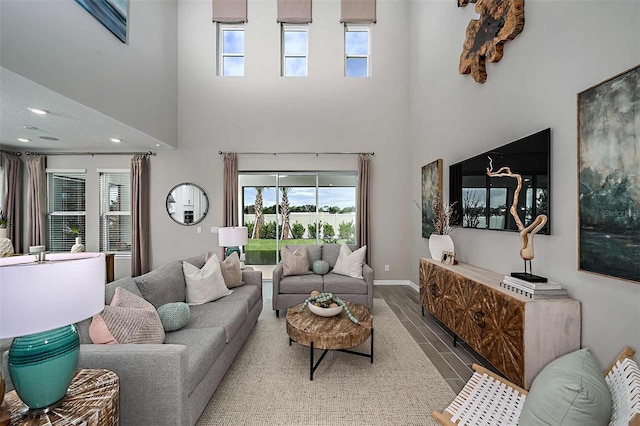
{"x":484,"y":202}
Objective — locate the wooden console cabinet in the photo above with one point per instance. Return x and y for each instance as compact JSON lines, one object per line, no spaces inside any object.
{"x":516,"y":334}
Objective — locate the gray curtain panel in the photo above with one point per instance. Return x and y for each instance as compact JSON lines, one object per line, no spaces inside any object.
{"x":37,"y":196}
{"x":363,"y":236}
{"x":230,"y":11}
{"x":358,"y":11}
{"x":139,"y":215}
{"x":230,"y":184}
{"x":294,"y":11}
{"x":12,"y":198}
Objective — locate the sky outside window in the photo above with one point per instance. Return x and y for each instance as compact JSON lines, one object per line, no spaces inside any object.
{"x":232,"y":52}
{"x":295,"y":49}
{"x":357,"y":53}
{"x":299,"y":196}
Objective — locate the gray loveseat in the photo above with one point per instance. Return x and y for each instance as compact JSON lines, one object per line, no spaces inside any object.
{"x":292,"y":290}
{"x":171,"y":383}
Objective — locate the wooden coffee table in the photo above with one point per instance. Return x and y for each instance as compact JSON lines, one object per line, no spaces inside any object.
{"x":336,"y":333}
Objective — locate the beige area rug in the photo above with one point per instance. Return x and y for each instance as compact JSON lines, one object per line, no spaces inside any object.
{"x":268,"y":383}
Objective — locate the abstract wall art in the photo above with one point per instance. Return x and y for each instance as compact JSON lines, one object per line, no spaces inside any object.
{"x":609,"y":177}
{"x":111,"y":13}
{"x":431,"y":194}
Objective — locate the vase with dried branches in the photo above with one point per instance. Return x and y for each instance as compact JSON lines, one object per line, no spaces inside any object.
{"x":440,"y":240}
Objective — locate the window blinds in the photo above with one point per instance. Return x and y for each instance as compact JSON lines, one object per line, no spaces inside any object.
{"x":294,"y":11}
{"x":115,"y":211}
{"x":358,"y":11}
{"x":230,"y":11}
{"x":66,"y":208}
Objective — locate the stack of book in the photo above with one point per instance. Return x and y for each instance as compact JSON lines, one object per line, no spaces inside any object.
{"x":548,"y":290}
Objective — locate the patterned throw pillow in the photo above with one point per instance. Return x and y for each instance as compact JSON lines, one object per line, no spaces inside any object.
{"x":206,"y":284}
{"x":129,"y":319}
{"x":320,"y":267}
{"x":350,"y":263}
{"x":174,"y":316}
{"x":295,"y":261}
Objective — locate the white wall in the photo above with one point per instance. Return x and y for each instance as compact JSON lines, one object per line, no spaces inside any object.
{"x":265,"y":112}
{"x":61,"y":46}
{"x":562,"y":50}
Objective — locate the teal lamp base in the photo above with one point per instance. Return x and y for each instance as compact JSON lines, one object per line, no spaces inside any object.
{"x":230,"y":250}
{"x":41,"y":367}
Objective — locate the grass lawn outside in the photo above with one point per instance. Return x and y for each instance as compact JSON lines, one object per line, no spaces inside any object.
{"x":264,"y":244}
{"x":263,"y":251}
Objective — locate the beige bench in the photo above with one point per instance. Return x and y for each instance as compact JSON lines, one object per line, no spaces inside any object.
{"x":488,"y":399}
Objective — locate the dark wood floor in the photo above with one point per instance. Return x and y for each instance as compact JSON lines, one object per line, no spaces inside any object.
{"x":454,"y":363}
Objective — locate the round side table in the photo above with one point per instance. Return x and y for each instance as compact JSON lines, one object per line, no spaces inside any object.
{"x":93,"y":399}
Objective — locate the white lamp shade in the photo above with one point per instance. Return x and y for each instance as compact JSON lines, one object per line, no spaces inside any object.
{"x":64,"y":289}
{"x":230,"y":237}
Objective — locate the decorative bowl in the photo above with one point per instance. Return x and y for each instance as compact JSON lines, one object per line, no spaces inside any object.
{"x":324,"y":312}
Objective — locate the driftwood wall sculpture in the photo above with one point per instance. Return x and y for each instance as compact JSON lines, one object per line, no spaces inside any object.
{"x":500,"y":20}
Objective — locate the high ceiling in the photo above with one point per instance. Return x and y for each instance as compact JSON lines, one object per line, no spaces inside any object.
{"x":76,"y":126}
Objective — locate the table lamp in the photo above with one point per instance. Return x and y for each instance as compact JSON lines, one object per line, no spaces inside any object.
{"x":39,"y":303}
{"x":232,"y":238}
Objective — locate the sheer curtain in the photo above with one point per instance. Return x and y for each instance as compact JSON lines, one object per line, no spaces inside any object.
{"x":230,"y":183}
{"x":362,"y":209}
{"x":139,"y":215}
{"x":37,"y":197}
{"x":12,"y":198}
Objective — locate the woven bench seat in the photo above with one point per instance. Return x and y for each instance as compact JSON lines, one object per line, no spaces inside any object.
{"x":488,"y":399}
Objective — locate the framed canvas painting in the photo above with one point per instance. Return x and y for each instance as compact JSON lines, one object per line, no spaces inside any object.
{"x":110,"y":13}
{"x":609,"y":178}
{"x":431,"y":192}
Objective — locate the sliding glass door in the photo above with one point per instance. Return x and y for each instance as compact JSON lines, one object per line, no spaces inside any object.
{"x":281,"y":208}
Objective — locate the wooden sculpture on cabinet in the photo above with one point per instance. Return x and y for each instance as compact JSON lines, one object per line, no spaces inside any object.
{"x":526,"y":233}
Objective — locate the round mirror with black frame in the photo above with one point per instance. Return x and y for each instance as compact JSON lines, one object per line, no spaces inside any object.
{"x":187,"y":204}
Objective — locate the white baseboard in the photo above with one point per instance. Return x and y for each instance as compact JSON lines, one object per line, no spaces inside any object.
{"x":397,"y":282}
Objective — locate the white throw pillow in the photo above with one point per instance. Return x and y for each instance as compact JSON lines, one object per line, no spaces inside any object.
{"x":350,"y":263}
{"x":206,"y":284}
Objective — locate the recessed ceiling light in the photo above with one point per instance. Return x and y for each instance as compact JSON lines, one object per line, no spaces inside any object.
{"x":29,"y":127}
{"x":49,"y":138}
{"x":38,"y":111}
{"x":116,"y":140}
{"x":24,"y":140}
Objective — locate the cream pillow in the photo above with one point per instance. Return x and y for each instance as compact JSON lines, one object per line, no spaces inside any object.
{"x":295,"y":262}
{"x":206,"y":284}
{"x":350,"y":263}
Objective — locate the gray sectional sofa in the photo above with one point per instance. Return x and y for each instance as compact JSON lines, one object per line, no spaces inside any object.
{"x":292,"y":290}
{"x":171,"y":383}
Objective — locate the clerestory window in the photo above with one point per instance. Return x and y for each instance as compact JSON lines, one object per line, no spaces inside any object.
{"x":231,"y":50}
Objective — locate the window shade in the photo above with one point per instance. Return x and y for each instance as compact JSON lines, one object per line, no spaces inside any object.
{"x":230,"y":11}
{"x":65,"y":208}
{"x":115,"y":212}
{"x":358,"y":11}
{"x":294,"y":11}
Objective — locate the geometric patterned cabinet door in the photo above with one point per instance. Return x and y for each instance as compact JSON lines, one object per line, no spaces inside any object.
{"x":517,"y":335}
